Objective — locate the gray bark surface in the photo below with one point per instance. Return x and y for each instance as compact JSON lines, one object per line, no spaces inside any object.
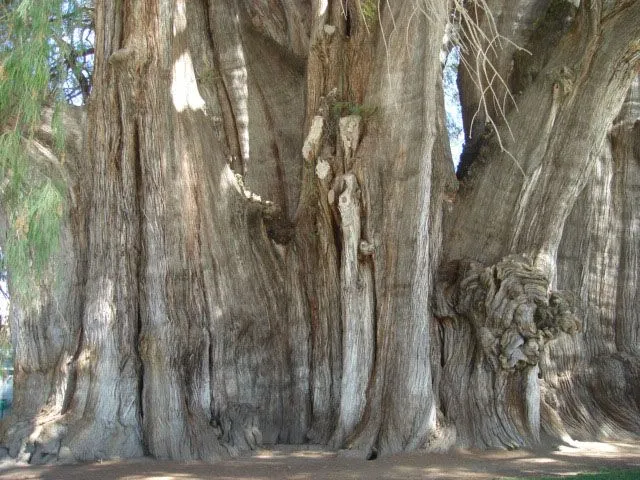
{"x":266,"y":242}
{"x":559,"y":129}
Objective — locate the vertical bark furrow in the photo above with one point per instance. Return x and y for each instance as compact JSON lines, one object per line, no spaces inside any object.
{"x":45,"y":326}
{"x":626,"y":153}
{"x":357,"y":311}
{"x":401,"y":408}
{"x":225,"y":29}
{"x":107,"y":365}
{"x":212,"y":309}
{"x":593,"y":260}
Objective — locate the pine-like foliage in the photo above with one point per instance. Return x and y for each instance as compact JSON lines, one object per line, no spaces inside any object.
{"x":39,"y":57}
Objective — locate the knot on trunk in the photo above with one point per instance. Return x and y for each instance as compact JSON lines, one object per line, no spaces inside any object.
{"x":510,"y":306}
{"x":237,"y":428}
{"x":119,"y":58}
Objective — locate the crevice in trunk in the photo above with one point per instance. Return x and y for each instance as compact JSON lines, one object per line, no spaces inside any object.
{"x":347,"y":21}
{"x":73,"y":376}
{"x":138,"y":184}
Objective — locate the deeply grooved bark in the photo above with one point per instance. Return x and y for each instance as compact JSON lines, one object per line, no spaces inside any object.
{"x":357,"y":313}
{"x":513,"y":316}
{"x":195,"y":319}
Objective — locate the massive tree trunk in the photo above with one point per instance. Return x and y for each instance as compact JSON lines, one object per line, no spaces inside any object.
{"x":252,"y":253}
{"x":498,"y":291}
{"x":596,"y":261}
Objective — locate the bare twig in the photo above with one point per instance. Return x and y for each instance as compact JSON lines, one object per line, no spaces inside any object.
{"x":482,"y":43}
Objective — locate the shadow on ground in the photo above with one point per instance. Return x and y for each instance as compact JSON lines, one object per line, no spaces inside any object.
{"x":297,"y":464}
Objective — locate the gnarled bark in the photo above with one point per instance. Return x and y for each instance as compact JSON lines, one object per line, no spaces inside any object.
{"x":517,"y":202}
{"x":257,"y":226}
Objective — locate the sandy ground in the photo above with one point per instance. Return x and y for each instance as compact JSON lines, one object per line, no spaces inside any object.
{"x":298,"y":464}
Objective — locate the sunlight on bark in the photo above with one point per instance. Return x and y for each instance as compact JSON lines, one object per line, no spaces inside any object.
{"x":322,"y":7}
{"x":101,"y":309}
{"x":239,"y":86}
{"x":228,"y":179}
{"x":545,"y":260}
{"x":184,"y":88}
{"x":180,"y":18}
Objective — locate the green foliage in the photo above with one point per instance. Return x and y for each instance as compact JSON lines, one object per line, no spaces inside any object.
{"x":341,"y":109}
{"x":73,"y":51}
{"x":29,"y":66}
{"x":24,"y":68}
{"x":35,"y":235}
{"x":369,"y":10}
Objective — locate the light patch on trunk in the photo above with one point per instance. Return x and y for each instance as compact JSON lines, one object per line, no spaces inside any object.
{"x":322,"y":8}
{"x":84,"y":359}
{"x":356,"y":284}
{"x":350,"y":136}
{"x":322,"y":169}
{"x":545,"y":260}
{"x":532,"y":401}
{"x":184,"y":88}
{"x":329,"y":30}
{"x":180,"y":18}
{"x":228,"y":179}
{"x":234,"y":65}
{"x":311,"y":145}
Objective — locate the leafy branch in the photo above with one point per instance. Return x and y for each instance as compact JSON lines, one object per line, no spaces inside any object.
{"x":42,"y":44}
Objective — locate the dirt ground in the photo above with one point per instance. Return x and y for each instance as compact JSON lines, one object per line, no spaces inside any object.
{"x":310,"y":463}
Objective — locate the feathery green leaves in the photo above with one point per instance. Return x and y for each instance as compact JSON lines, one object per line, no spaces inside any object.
{"x":38,"y":42}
